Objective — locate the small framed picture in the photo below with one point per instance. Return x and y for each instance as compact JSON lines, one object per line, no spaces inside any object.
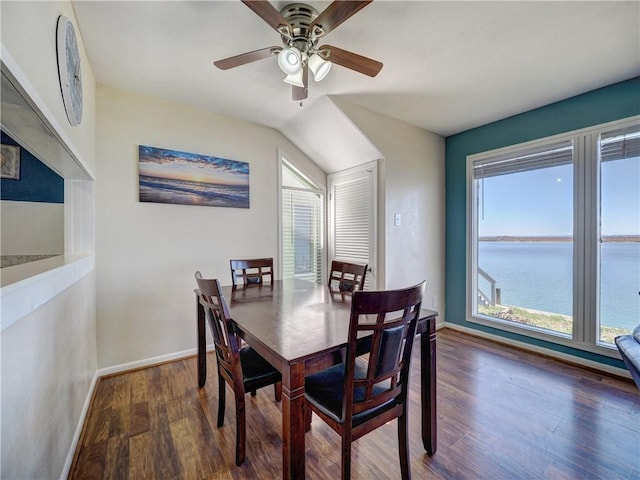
{"x":10,"y":156}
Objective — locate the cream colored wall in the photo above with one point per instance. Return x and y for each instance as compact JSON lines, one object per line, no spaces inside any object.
{"x":32,"y":228}
{"x":48,"y":356}
{"x":412,"y":184}
{"x":47,"y":368}
{"x":147,"y":253}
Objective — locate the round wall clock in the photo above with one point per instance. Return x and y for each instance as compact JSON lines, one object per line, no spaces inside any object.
{"x":69,"y":70}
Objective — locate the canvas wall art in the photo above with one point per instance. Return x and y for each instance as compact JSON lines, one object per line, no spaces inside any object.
{"x":170,"y":176}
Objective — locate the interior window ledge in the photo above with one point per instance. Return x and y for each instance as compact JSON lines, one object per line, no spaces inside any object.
{"x":26,"y":287}
{"x":540,"y":334}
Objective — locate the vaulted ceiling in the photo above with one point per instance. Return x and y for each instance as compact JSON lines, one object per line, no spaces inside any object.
{"x":448,"y":66}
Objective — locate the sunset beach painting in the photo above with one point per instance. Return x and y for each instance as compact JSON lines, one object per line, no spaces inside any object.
{"x":170,"y":176}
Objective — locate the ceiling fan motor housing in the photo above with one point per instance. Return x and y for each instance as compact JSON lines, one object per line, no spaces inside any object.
{"x":300,"y":16}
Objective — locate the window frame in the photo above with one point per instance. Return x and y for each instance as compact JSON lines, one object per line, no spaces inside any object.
{"x":314,"y":187}
{"x":586,"y":234}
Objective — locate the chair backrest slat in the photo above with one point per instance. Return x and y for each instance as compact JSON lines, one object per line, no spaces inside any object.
{"x":390,"y":318}
{"x":347,"y":277}
{"x":224,"y":337}
{"x":253,"y":271}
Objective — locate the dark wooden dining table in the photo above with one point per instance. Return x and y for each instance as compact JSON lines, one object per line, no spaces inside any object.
{"x":301,"y":327}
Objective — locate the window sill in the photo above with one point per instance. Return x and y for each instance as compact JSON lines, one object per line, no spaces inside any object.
{"x":13,"y":260}
{"x":547,"y":336}
{"x":26,"y":287}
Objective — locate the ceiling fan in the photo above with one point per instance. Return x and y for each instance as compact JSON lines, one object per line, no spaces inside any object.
{"x":300,"y":27}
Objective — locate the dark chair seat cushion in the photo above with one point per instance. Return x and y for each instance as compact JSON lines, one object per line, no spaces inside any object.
{"x":256,"y":369}
{"x":325,"y":390}
{"x":346,"y":286}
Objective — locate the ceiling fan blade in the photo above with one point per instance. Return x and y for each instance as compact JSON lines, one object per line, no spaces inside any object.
{"x":336,"y":13}
{"x":301,"y":93}
{"x":353,"y":61}
{"x":248,"y":57}
{"x":268,"y":13}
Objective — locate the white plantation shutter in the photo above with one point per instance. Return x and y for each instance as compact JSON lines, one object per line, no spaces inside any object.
{"x":352,"y":207}
{"x":351,"y":221}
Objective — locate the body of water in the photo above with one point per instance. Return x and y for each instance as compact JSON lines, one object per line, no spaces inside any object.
{"x":538,"y":275}
{"x":163,"y":190}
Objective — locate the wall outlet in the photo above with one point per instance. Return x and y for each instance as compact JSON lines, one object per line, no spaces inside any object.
{"x":434,"y":301}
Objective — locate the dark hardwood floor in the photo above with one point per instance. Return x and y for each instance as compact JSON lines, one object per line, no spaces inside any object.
{"x":503,"y":414}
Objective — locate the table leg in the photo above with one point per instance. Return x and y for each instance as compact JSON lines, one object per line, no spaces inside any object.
{"x":293,"y":447}
{"x":428,"y":388}
{"x":202,"y":344}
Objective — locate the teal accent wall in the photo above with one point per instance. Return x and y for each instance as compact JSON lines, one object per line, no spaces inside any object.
{"x":614,"y":102}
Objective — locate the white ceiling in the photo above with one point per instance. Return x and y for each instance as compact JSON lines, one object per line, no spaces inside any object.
{"x":448,"y":66}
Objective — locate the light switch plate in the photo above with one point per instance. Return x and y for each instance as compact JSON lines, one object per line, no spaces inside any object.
{"x":397,"y":219}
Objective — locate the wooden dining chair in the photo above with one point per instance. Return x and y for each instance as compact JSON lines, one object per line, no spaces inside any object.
{"x":365,"y":392}
{"x":242,"y":368}
{"x":252,"y":271}
{"x":347,"y":277}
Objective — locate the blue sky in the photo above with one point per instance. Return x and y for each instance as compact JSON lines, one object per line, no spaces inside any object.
{"x":540,"y":202}
{"x":620,"y":206}
{"x":172,"y":164}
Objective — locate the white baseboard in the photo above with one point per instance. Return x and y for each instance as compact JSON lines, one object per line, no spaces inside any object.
{"x":620,"y":372}
{"x":146,"y":362}
{"x":111,"y":371}
{"x":76,"y":436}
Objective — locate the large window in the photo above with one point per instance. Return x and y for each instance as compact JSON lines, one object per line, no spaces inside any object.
{"x":301,"y":226}
{"x":619,"y":246}
{"x":554,"y":247}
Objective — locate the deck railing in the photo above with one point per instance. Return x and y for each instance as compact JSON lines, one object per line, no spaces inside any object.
{"x":494,"y":295}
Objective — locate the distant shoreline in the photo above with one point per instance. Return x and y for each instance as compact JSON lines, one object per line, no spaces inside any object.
{"x":557,"y":238}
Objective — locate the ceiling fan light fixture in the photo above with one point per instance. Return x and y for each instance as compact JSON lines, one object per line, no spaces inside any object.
{"x":319,"y":67}
{"x":290,"y":60}
{"x":295,"y":79}
{"x":300,"y":27}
